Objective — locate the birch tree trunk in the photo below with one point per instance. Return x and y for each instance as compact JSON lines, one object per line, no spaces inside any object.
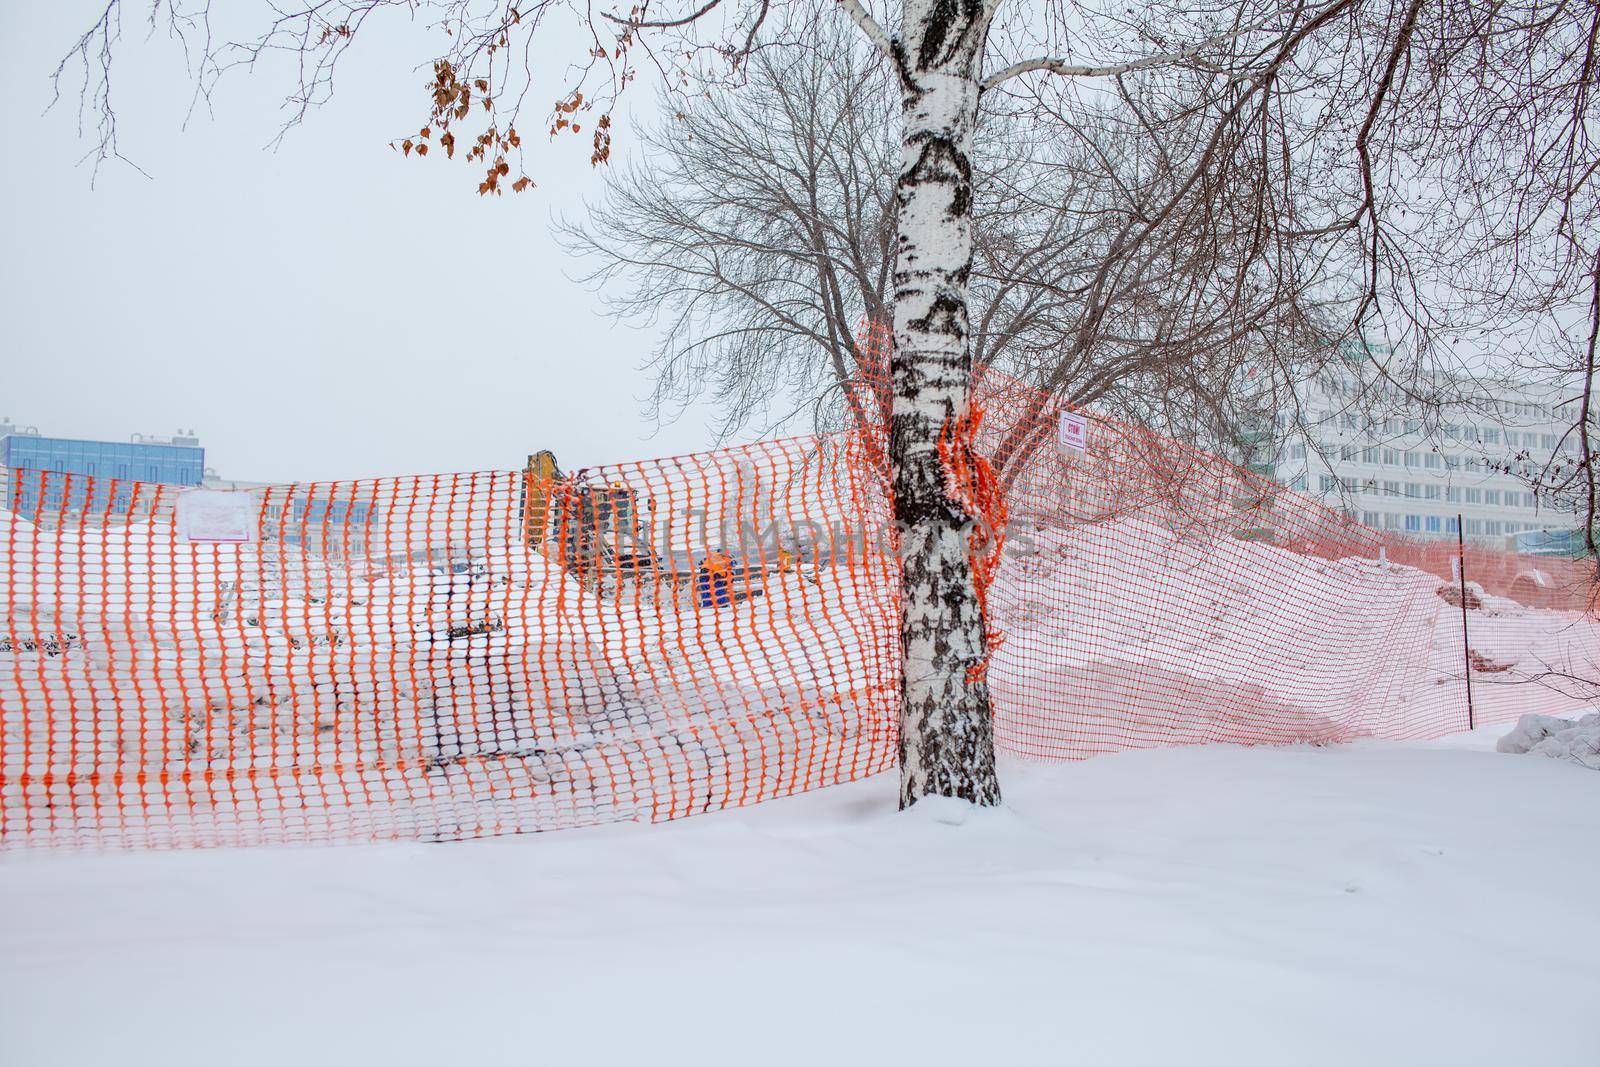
{"x":946,"y":730}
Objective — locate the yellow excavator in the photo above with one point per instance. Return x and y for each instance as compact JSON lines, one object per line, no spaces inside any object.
{"x":539,"y":479}
{"x":598,"y":533}
{"x":602,"y":535}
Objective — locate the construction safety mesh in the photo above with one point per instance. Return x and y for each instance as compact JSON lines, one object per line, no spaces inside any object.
{"x":452,"y":656}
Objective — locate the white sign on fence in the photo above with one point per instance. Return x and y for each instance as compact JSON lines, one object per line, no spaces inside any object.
{"x":216,"y":517}
{"x":1074,"y":433}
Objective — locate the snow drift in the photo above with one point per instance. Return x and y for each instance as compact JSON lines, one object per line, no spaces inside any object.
{"x":1557,"y":738}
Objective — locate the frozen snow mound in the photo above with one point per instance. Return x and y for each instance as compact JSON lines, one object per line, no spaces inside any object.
{"x":1530,"y":730}
{"x":1546,"y":735}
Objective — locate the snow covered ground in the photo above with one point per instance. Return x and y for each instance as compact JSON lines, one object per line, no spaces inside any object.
{"x":1376,"y":903}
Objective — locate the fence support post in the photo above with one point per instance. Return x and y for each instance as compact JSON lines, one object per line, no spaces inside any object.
{"x":1466,"y":644}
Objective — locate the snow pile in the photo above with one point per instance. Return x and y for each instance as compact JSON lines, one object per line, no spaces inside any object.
{"x":1563,"y":739}
{"x":1128,"y":634}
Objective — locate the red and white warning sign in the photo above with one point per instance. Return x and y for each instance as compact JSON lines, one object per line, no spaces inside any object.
{"x":1074,"y":432}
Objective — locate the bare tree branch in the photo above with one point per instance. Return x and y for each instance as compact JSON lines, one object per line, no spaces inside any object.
{"x":1064,"y":67}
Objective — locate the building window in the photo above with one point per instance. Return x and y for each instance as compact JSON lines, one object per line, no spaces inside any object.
{"x":1413,"y":490}
{"x":1391,"y":456}
{"x":1330,"y":484}
{"x":1491,"y":497}
{"x":1413,"y":523}
{"x":1370,"y":518}
{"x":1433,"y":460}
{"x":1451,"y":523}
{"x":1452,"y":495}
{"x":1433,"y":523}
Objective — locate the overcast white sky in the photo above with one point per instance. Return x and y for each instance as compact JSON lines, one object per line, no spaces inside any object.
{"x":328,"y":310}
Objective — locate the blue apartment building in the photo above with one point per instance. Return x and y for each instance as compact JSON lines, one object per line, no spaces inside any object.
{"x":63,"y":474}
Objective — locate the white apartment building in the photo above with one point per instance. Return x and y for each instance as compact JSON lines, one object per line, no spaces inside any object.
{"x":1416,"y":475}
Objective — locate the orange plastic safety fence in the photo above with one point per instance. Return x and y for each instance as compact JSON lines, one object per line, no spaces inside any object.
{"x":1156,"y":595}
{"x":453,"y":656}
{"x":444,"y":656}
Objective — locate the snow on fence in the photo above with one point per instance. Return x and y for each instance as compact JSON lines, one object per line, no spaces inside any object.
{"x":453,"y":656}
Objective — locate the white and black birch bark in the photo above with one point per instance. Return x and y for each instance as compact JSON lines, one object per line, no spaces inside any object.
{"x":946,"y":730}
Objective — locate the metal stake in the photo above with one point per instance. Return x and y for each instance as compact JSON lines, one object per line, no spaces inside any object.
{"x":1466,"y":645}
